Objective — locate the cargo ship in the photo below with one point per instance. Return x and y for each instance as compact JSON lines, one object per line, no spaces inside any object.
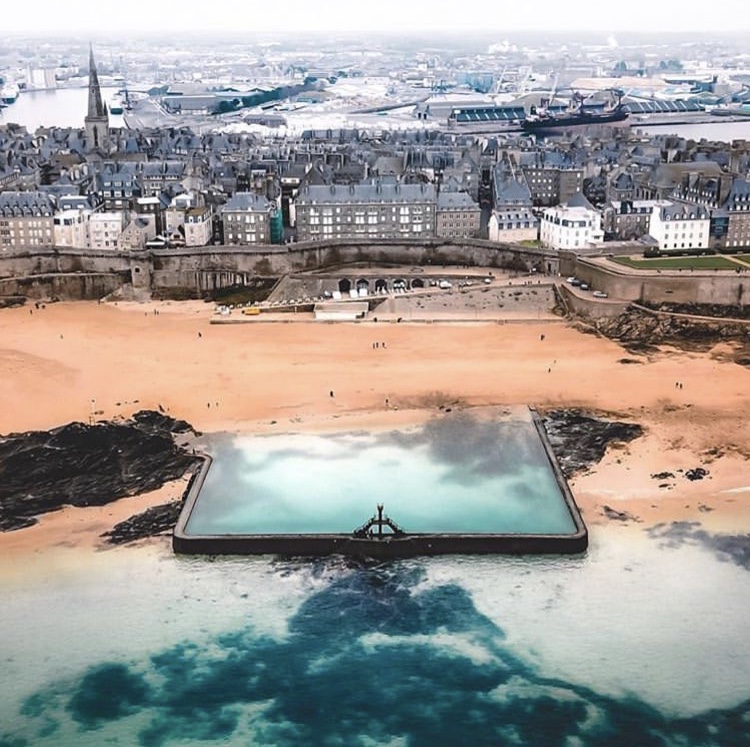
{"x":541,"y":121}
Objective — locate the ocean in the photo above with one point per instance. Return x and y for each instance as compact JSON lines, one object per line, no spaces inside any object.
{"x":641,"y":641}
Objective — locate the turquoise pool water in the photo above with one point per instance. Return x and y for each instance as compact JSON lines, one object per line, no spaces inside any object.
{"x":456,"y":474}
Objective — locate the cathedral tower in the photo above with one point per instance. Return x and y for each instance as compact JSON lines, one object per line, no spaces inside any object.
{"x":97,"y":119}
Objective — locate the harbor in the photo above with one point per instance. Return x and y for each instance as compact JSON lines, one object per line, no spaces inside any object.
{"x":64,"y":107}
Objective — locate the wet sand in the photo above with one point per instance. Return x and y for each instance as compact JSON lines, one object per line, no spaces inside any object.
{"x":78,"y":361}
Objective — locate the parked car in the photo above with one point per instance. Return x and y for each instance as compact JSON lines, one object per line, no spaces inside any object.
{"x":584,"y":286}
{"x":600,"y":294}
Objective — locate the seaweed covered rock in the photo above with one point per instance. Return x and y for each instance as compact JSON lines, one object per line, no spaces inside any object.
{"x":580,"y":439}
{"x":635,"y":326}
{"x":87,"y":465}
{"x":151,"y":523}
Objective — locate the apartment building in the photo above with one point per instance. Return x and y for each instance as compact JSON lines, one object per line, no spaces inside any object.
{"x":105,"y":229}
{"x":71,"y":228}
{"x":26,"y":220}
{"x":374,"y":210}
{"x":573,"y":226}
{"x":247,"y":219}
{"x":681,"y":227}
{"x":552,"y":177}
{"x":737,"y":211}
{"x":458,"y":216}
{"x":197,"y":226}
{"x":628,"y":220}
{"x":512,"y":218}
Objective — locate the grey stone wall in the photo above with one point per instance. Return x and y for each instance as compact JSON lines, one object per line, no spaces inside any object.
{"x":78,"y":286}
{"x":725,"y":288}
{"x":200,"y":270}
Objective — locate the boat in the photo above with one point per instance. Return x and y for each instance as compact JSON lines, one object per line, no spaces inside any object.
{"x":9,"y":93}
{"x":120,"y":102}
{"x":731,"y":111}
{"x":116,"y":104}
{"x":541,"y":120}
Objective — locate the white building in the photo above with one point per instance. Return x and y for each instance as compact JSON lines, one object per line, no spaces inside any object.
{"x":71,"y":228}
{"x":680,"y":227}
{"x":174,"y":215}
{"x":186,"y":218}
{"x":513,"y":225}
{"x":105,"y":230}
{"x":577,"y":225}
{"x":197,"y":226}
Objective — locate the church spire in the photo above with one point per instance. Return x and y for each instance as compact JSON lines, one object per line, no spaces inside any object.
{"x":97,"y":118}
{"x":96,"y":105}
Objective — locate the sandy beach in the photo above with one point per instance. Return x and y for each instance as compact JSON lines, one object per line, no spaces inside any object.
{"x":83,"y":361}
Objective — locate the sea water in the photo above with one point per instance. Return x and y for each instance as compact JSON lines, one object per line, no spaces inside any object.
{"x":456,"y":474}
{"x":642,"y":641}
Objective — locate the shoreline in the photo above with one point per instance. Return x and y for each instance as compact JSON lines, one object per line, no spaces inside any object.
{"x":82,"y":360}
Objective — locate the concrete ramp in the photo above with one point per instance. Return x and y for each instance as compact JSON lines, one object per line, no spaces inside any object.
{"x":343,"y":311}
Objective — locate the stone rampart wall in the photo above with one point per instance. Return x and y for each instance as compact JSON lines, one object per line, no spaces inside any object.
{"x":724,"y":288}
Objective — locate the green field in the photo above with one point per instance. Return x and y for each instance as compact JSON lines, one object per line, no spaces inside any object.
{"x":678,"y":263}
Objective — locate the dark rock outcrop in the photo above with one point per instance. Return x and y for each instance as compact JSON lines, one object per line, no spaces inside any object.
{"x":87,"y":465}
{"x":635,"y":327}
{"x":7,"y":302}
{"x":152,"y":522}
{"x":616,"y":515}
{"x":580,"y":439}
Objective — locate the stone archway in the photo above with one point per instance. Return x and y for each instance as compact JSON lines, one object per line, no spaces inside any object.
{"x":345,"y":285}
{"x":363,"y":285}
{"x":381,"y":286}
{"x":417,"y":283}
{"x":399,"y":284}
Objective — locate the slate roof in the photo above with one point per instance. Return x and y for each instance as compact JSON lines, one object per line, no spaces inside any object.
{"x":368,"y":193}
{"x":26,"y":204}
{"x":683,"y":212}
{"x":455,"y":201}
{"x":246,"y":201}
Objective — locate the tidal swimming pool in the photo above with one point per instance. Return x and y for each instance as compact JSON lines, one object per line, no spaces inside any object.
{"x":458,"y":474}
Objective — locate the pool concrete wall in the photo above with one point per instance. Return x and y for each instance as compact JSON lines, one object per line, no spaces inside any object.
{"x":390,"y":547}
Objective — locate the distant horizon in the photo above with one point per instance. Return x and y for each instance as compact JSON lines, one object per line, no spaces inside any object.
{"x":499,"y":34}
{"x":50,"y":18}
